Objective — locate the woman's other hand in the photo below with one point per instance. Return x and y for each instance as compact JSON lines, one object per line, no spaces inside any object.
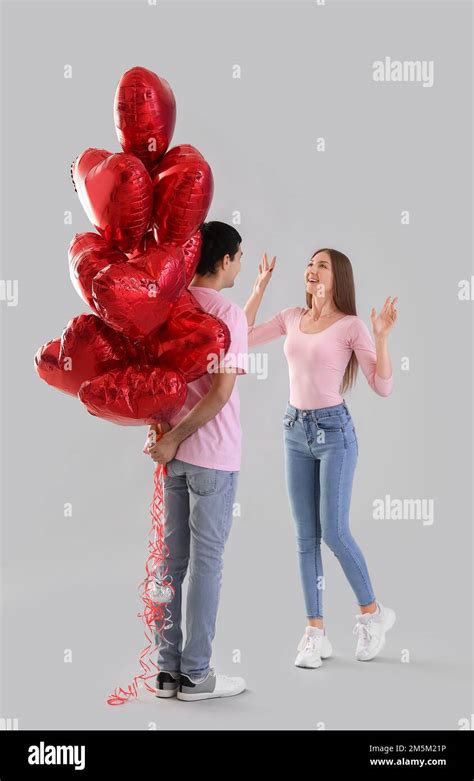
{"x":383,"y":322}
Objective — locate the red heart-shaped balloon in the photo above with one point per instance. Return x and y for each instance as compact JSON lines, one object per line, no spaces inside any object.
{"x":192,"y":253}
{"x":145,"y":114}
{"x":89,"y":253}
{"x":135,"y":395}
{"x":183,"y":187}
{"x":190,"y":339}
{"x":147,"y":241}
{"x":136,"y":297}
{"x":191,"y":249}
{"x":47,"y":367}
{"x":87,"y":347}
{"x":117,"y":196}
{"x":81,"y":166}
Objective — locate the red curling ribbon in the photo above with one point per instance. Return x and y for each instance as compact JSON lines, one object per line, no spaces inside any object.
{"x":156,"y":616}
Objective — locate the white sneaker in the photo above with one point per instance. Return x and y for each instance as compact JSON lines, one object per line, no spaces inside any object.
{"x":371,"y":629}
{"x":212,"y":686}
{"x":312,"y":649}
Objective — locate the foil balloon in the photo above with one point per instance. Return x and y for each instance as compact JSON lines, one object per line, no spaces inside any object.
{"x":83,"y":164}
{"x":47,"y":366}
{"x":87,"y":347}
{"x":135,"y":395}
{"x":136,"y":297}
{"x":88,"y":254}
{"x":117,"y":196}
{"x":148,"y":241}
{"x":145,"y":114}
{"x":192,"y":253}
{"x":183,"y":188}
{"x":191,"y":340}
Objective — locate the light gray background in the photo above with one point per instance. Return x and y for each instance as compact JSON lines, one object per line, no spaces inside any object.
{"x":71,"y":583}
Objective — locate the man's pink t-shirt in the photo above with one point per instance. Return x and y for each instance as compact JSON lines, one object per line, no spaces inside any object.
{"x":317,"y":362}
{"x":217,"y":444}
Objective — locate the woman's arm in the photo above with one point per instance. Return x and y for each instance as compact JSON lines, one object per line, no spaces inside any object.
{"x":383,"y":366}
{"x":382,"y":324}
{"x":271,"y":329}
{"x":266,"y":332}
{"x":252,"y":306}
{"x":260,"y":284}
{"x":375,"y":359}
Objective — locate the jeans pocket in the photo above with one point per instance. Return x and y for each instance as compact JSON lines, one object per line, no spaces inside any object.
{"x":203,"y":482}
{"x":288,"y":420}
{"x":350,"y":435}
{"x":330,"y":423}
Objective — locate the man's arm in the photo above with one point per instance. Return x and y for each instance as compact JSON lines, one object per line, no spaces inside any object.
{"x":206,"y":409}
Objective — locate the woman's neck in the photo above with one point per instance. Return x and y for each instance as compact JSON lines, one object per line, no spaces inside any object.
{"x":326,"y":310}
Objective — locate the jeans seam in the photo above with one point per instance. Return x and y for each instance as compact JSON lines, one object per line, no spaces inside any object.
{"x":227,"y":509}
{"x":339,"y":528}
{"x":318,"y":539}
{"x":227,"y":505}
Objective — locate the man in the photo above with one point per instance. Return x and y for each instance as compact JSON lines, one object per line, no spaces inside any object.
{"x":202,"y":453}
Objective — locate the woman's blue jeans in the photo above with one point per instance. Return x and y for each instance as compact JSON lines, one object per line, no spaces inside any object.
{"x":321,"y":453}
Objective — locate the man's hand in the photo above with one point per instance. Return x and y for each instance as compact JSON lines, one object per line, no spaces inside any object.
{"x":155,"y":430}
{"x":164,"y":449}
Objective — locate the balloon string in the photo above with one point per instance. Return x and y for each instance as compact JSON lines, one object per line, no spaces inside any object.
{"x":156,"y":616}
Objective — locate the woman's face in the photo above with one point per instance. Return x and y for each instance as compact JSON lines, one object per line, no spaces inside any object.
{"x":318,"y":275}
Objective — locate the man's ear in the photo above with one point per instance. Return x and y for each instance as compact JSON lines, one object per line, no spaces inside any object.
{"x":225,"y":261}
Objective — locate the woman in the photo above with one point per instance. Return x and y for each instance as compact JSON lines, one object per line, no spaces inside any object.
{"x":324,"y":344}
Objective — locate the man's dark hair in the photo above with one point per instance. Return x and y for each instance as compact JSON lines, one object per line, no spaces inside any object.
{"x":218,"y":239}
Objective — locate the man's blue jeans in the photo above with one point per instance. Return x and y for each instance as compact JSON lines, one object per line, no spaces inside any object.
{"x":198,"y":518}
{"x":321,"y":452}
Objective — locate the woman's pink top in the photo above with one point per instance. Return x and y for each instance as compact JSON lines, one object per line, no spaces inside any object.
{"x":317,"y":362}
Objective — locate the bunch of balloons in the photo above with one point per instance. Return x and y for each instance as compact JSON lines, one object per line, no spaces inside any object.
{"x":129,"y":360}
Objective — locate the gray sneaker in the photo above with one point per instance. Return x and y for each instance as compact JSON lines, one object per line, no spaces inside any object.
{"x":212,"y":686}
{"x":167,"y":684}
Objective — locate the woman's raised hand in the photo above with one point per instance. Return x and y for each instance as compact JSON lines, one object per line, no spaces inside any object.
{"x":264,"y":274}
{"x":383,"y":322}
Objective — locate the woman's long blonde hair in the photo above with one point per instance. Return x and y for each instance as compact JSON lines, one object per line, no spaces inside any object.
{"x":344,"y":299}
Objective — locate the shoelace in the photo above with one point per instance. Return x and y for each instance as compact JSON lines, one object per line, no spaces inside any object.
{"x":311,"y":642}
{"x":363,"y":629}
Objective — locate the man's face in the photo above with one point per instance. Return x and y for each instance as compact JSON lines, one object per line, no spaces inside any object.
{"x":232,"y":267}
